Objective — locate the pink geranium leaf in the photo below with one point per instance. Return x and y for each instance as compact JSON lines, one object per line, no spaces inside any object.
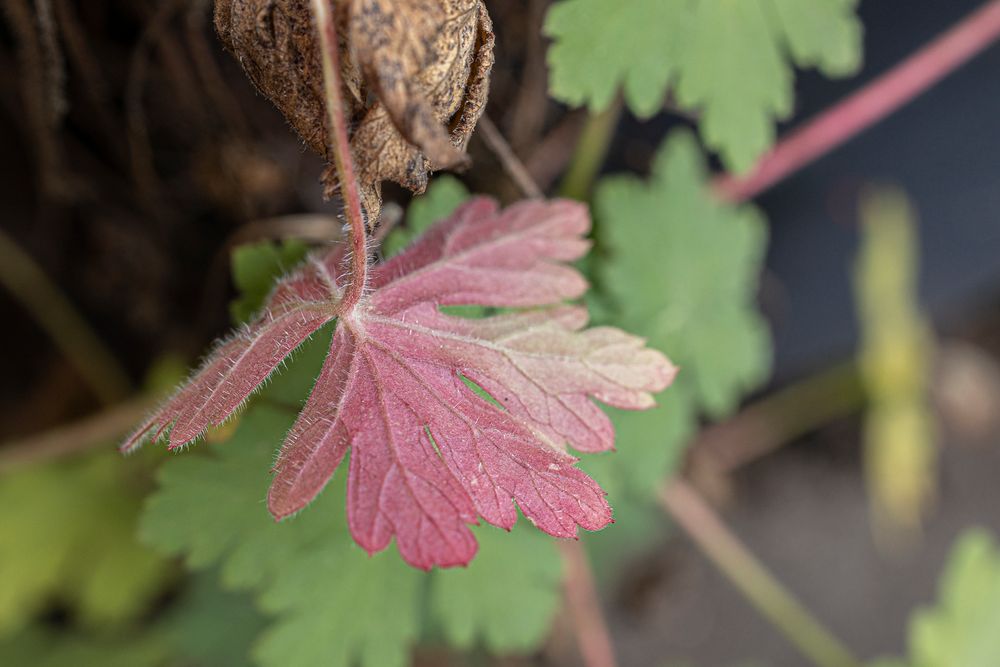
{"x":428,"y":456}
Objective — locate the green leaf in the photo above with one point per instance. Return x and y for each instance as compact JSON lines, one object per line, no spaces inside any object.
{"x":187,"y":633}
{"x":961,"y":631}
{"x":443,"y":196}
{"x":736,"y":75}
{"x":600,"y":47}
{"x":728,"y":60}
{"x":68,"y":537}
{"x":681,"y":269}
{"x":684,"y":271}
{"x":41,"y":647}
{"x":340,"y":607}
{"x":637,"y":469}
{"x":255,"y":267}
{"x":191,"y":628}
{"x":306,"y":571}
{"x":824,"y":34}
{"x":506,"y":598}
{"x":639,"y":526}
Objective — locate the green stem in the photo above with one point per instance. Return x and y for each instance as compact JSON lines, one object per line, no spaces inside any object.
{"x":54,"y":313}
{"x":781,"y":417}
{"x":591,"y":151}
{"x":745,"y":572}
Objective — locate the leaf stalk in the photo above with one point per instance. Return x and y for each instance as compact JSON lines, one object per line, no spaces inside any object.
{"x":756,"y":583}
{"x":592,"y":635}
{"x":870,"y":105}
{"x":340,"y":146}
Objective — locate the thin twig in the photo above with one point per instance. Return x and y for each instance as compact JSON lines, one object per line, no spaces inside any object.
{"x":78,"y":437}
{"x":591,"y":630}
{"x":55,"y":66}
{"x":508,"y":159}
{"x":53,"y":312}
{"x":756,"y":583}
{"x":326,"y":27}
{"x":868,"y":106}
{"x":37,"y":96}
{"x":179,"y":71}
{"x":89,"y":70}
{"x":140,"y":148}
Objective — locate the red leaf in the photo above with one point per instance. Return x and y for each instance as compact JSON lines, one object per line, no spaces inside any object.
{"x":428,"y":455}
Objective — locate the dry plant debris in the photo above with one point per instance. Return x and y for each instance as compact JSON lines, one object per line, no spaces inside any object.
{"x":415,"y":75}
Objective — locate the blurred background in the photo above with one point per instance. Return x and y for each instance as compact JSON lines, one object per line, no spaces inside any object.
{"x":134,"y":164}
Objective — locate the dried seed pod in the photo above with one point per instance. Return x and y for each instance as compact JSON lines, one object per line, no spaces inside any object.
{"x":415,"y":75}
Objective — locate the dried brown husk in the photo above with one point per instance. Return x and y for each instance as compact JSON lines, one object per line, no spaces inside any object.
{"x":415,"y":76}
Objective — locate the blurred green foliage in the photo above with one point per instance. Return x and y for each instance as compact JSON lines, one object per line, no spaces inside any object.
{"x":68,"y":540}
{"x":307,"y":572}
{"x":961,"y":629}
{"x":203,"y":627}
{"x":444,"y":196}
{"x":896,"y":358}
{"x":681,"y":269}
{"x":255,"y":267}
{"x":729,"y":61}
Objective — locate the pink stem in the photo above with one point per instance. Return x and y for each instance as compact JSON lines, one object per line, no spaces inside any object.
{"x":758,"y":585}
{"x":340,"y":144}
{"x":869,"y":105}
{"x":592,"y":635}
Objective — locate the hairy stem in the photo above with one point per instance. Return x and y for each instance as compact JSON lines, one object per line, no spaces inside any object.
{"x":868,"y":106}
{"x":590,"y":629}
{"x":54,"y":313}
{"x":745,"y":572}
{"x":591,"y":151}
{"x":340,"y":145}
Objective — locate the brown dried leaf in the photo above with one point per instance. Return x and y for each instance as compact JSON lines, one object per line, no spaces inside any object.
{"x":415,"y":72}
